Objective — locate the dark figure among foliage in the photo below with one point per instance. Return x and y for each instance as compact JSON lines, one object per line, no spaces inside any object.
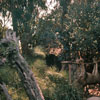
{"x":51,"y":60}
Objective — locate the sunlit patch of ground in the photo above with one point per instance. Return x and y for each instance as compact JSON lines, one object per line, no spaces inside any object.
{"x":54,"y":73}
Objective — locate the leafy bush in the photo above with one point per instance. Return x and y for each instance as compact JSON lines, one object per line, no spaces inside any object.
{"x":54,"y":84}
{"x":13,"y":83}
{"x":62,"y":90}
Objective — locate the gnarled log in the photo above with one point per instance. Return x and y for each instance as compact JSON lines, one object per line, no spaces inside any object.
{"x":31,"y":86}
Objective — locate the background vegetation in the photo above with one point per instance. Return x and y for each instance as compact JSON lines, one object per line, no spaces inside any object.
{"x":73,"y":27}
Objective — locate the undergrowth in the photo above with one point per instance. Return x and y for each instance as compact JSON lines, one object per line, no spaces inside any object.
{"x":54,"y":84}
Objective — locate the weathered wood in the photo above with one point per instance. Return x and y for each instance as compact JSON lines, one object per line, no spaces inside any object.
{"x":71,"y":62}
{"x":28,"y":79}
{"x":89,"y":78}
{"x":31,"y":86}
{"x":71,"y":69}
{"x":70,"y":79}
{"x":85,"y":78}
{"x":3,"y":86}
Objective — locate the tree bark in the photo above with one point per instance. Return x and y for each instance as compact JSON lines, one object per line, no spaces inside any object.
{"x":31,"y":86}
{"x":3,"y":86}
{"x":27,"y":77}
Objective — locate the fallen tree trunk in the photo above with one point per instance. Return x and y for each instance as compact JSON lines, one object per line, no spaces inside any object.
{"x":3,"y":87}
{"x":31,"y":86}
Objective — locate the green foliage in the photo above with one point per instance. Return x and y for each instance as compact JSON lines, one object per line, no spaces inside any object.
{"x":24,"y":15}
{"x":10,"y":77}
{"x":54,"y":85}
{"x":64,"y":91}
{"x":80,"y":29}
{"x":84,"y":25}
{"x":75,"y":27}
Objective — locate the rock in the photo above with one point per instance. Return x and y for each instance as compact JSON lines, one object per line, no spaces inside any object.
{"x":94,"y":98}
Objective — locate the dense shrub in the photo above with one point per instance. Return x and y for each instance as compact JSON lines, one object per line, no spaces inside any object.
{"x":63,"y":90}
